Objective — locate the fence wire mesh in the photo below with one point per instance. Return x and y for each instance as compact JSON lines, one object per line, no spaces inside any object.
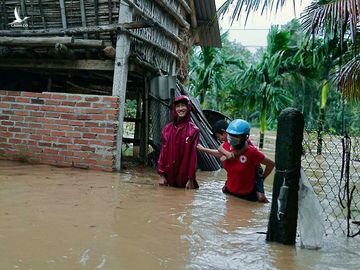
{"x":332,"y":164}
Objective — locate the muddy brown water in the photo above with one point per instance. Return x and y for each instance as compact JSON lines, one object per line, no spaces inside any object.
{"x":62,"y":218}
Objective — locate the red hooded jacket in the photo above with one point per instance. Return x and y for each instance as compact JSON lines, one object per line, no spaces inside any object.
{"x":177,"y":160}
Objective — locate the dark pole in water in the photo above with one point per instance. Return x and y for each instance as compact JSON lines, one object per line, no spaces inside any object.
{"x":284,"y":207}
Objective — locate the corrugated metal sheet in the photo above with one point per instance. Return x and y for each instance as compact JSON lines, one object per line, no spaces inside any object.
{"x":209,"y":34}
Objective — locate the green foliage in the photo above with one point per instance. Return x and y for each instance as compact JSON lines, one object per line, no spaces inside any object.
{"x":290,"y":71}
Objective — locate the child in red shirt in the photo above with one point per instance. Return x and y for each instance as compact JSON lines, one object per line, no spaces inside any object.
{"x":241,"y":159}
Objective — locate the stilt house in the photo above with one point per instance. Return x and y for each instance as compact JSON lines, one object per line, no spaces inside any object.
{"x":77,"y":75}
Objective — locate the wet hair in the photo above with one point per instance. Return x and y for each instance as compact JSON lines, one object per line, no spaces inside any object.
{"x":220,"y":126}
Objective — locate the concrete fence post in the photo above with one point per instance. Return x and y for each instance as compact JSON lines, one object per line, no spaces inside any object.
{"x":284,"y":208}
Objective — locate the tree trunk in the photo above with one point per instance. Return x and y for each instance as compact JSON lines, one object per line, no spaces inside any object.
{"x":324,"y":91}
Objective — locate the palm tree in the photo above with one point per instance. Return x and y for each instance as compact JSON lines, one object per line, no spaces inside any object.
{"x":260,"y":87}
{"x":323,"y":17}
{"x":207,"y":73}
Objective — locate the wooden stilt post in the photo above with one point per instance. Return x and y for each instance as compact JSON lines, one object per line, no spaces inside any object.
{"x":120,"y":76}
{"x":284,"y":208}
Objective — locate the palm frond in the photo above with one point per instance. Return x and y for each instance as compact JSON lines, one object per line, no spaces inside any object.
{"x":331,"y":17}
{"x":349,"y":80}
{"x":248,"y":6}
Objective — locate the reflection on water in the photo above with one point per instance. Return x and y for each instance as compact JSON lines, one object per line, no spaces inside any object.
{"x":55,"y":218}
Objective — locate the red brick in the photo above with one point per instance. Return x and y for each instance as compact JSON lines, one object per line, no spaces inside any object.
{"x":65,"y":140}
{"x":79,"y":141}
{"x":13,"y":93}
{"x":74,"y":97}
{"x":92,"y":98}
{"x":31,"y":94}
{"x":111,"y":99}
{"x":22,"y":100}
{"x":35,"y":137}
{"x":83,"y":104}
{"x":7,"y":123}
{"x":17,"y":118}
{"x":73,"y":134}
{"x":4,"y":105}
{"x":51,"y":151}
{"x":52,"y":102}
{"x":37,"y":114}
{"x":58,"y":133}
{"x":14,"y":129}
{"x":89,"y":135}
{"x":14,"y":141}
{"x":6,"y":134}
{"x":68,"y":103}
{"x":32,"y":107}
{"x":107,"y":137}
{"x":52,"y":115}
{"x":98,"y":130}
{"x":22,"y":113}
{"x":8,"y":99}
{"x":21,"y":135}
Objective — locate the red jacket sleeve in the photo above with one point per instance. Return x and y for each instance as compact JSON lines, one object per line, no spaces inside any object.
{"x":162,"y":158}
{"x":193,"y":155}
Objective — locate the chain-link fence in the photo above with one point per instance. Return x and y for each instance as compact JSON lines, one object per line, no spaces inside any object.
{"x":332,"y":164}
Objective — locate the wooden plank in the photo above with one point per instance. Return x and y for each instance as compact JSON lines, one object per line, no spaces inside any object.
{"x":4,"y":15}
{"x":23,"y":12}
{"x":87,"y":43}
{"x":120,"y":76}
{"x":152,"y":43}
{"x":42,"y":14}
{"x":34,"y":41}
{"x":63,"y":13}
{"x":185,"y":6}
{"x":100,"y":65}
{"x":83,"y":15}
{"x":75,"y":30}
{"x":154,"y":22}
{"x":173,"y":13}
{"x":146,"y":115}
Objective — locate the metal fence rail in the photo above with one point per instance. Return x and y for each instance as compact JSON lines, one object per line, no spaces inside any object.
{"x":335,"y":176}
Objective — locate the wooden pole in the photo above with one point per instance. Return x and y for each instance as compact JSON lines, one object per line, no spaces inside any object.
{"x":75,"y":30}
{"x":284,"y":208}
{"x":120,"y":76}
{"x":35,"y":41}
{"x":63,"y":13}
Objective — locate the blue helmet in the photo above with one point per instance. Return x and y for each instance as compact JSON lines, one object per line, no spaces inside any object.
{"x":238,"y":127}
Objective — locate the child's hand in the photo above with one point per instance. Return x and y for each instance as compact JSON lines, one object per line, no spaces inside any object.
{"x":223,"y":158}
{"x":200,"y":147}
{"x":229,"y":155}
{"x":189,"y":184}
{"x":162,"y":181}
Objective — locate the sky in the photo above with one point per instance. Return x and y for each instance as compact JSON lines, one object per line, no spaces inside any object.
{"x":253,"y":34}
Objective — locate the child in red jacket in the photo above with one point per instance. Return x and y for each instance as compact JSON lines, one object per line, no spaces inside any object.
{"x":177,"y":161}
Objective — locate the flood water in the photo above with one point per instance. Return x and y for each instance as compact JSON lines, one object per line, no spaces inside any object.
{"x":63,"y":218}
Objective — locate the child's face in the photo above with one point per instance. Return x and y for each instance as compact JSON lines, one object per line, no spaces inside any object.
{"x":181,"y":109}
{"x":222,"y":137}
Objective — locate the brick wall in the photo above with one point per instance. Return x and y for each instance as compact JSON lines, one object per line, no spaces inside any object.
{"x":59,"y":129}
